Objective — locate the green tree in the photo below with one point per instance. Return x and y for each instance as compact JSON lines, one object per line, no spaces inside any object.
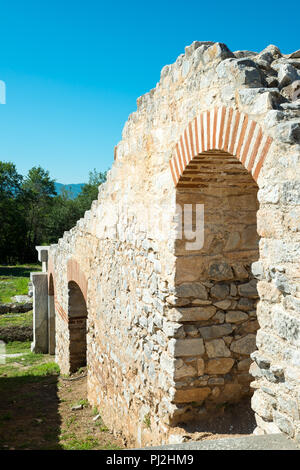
{"x":38,"y":191}
{"x":90,"y":190}
{"x":12,"y":222}
{"x":63,"y":216}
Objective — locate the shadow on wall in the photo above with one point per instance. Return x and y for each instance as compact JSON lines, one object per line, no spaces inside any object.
{"x":229,"y":418}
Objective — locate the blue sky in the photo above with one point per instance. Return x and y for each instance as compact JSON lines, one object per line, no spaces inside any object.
{"x":73,"y":70}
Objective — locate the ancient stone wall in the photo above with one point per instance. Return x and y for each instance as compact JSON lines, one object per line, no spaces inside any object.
{"x":169,"y":333}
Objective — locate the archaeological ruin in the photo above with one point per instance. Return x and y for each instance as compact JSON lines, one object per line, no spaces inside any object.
{"x":180,"y":287}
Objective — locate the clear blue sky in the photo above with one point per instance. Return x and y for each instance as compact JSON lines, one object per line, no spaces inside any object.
{"x":73,"y":70}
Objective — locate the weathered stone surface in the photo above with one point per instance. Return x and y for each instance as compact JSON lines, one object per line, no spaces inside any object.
{"x":244,"y":345}
{"x":195,"y":290}
{"x":284,"y":423}
{"x":258,"y":100}
{"x":292,"y":91}
{"x":244,"y":365}
{"x":286,"y":74}
{"x":220,"y":271}
{"x":219,"y":366}
{"x":245,"y":304}
{"x":220,"y":291}
{"x":240,"y":71}
{"x":249,"y":289}
{"x":193,"y":313}
{"x":217,"y":331}
{"x":200,"y":366}
{"x":217,"y":348}
{"x":289,"y":132}
{"x":235,"y":316}
{"x":192,"y":395}
{"x":223,"y":304}
{"x":183,"y":370}
{"x":257,"y":270}
{"x":263,"y":404}
{"x":188,"y":347}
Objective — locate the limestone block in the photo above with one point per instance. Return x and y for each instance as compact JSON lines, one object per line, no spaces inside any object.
{"x":292,"y":91}
{"x":240,"y":72}
{"x":258,"y":100}
{"x":183,"y":370}
{"x":235,"y":316}
{"x":220,"y":271}
{"x":244,"y":365}
{"x":267,"y":427}
{"x":219,"y":366}
{"x":217,"y":348}
{"x":216,"y":331}
{"x":219,"y":291}
{"x":217,"y":51}
{"x":188,"y":347}
{"x":249,"y":289}
{"x":191,"y":395}
{"x":191,"y":330}
{"x":245,"y":345}
{"x":257,"y":270}
{"x":286,"y":73}
{"x":245,"y":304}
{"x":194,"y":289}
{"x":288,"y":132}
{"x":223,"y":304}
{"x":263,"y":405}
{"x":284,"y":423}
{"x":286,"y":325}
{"x":192,"y":313}
{"x":200,"y":366}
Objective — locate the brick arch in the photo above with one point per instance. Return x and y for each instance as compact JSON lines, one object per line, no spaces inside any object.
{"x":226,"y":129}
{"x":75,"y":274}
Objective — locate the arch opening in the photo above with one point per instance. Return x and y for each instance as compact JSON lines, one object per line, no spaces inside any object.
{"x":77,"y":321}
{"x":215,"y":286}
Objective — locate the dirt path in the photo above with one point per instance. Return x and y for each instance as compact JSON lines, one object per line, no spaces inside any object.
{"x":35,"y":413}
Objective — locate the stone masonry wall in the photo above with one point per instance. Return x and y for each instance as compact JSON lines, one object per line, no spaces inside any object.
{"x":142,"y":357}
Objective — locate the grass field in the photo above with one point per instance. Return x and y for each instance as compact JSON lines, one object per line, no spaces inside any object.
{"x":16,"y":319}
{"x":14,"y":280}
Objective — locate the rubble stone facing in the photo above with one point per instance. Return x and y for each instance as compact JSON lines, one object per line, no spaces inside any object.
{"x":170,"y":332}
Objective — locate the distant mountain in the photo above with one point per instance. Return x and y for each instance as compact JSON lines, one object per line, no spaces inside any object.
{"x":74,"y":189}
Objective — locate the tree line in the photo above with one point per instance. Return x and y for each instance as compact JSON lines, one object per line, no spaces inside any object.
{"x":32,"y":213}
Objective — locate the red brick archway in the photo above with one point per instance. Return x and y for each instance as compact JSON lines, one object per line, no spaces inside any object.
{"x":223,"y":129}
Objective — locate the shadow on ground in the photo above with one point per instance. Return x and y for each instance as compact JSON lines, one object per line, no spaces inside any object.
{"x":237,"y":419}
{"x":29,"y":417}
{"x":18,"y":271}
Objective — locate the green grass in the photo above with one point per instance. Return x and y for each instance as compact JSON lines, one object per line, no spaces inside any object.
{"x":87,"y":443}
{"x":29,"y":364}
{"x":40,"y":370}
{"x":14,"y":280}
{"x":16,"y":319}
{"x":15,"y":347}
